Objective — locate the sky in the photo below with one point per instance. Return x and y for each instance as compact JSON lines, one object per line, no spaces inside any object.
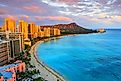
{"x":91,"y":14}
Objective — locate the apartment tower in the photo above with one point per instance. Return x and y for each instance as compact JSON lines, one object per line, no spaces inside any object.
{"x":9,"y":25}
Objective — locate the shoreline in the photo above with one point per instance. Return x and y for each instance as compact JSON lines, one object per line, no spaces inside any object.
{"x":46,"y":72}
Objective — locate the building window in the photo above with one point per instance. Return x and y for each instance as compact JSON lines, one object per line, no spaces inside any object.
{"x":11,"y":48}
{"x":29,"y":28}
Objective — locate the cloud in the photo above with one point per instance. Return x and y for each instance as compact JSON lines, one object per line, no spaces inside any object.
{"x":96,"y":20}
{"x":111,"y":2}
{"x":60,"y":11}
{"x":54,"y":18}
{"x":3,"y":11}
{"x":106,"y":22}
{"x":11,"y":17}
{"x":23,"y":16}
{"x":55,"y":3}
{"x":59,"y":18}
{"x":15,"y":17}
{"x":68,"y":1}
{"x":85,"y":7}
{"x":15,"y":3}
{"x":34,"y":9}
{"x":115,"y":18}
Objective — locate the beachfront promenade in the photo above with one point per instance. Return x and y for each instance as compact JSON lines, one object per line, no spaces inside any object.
{"x":45,"y":72}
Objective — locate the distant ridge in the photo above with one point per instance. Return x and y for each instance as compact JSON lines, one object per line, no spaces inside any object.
{"x":73,"y":28}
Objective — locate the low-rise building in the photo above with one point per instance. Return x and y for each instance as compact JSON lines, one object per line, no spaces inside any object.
{"x":9,"y":72}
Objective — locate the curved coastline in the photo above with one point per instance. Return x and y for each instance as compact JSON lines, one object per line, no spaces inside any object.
{"x":46,"y":72}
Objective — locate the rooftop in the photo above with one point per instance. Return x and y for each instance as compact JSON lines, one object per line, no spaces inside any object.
{"x":8,"y":66}
{"x":6,"y":75}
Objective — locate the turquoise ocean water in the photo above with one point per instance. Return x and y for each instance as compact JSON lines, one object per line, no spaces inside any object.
{"x":85,"y":57}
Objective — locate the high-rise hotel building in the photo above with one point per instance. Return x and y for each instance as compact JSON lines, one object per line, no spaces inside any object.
{"x":55,"y":31}
{"x":4,"y":52}
{"x":46,"y":30}
{"x":9,"y":25}
{"x":31,"y":30}
{"x":40,"y":32}
{"x":16,"y":42}
{"x":23,"y":28}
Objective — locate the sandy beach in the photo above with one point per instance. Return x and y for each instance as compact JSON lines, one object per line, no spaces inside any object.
{"x":45,"y":72}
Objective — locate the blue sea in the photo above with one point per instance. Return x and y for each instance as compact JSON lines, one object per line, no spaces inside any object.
{"x":85,"y":57}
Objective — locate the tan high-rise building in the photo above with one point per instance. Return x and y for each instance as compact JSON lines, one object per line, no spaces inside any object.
{"x":28,"y":31}
{"x":46,"y":30}
{"x":52,"y":31}
{"x":55,"y":31}
{"x":58,"y":31}
{"x":31,"y":30}
{"x":9,"y":25}
{"x":40,"y":32}
{"x":1,"y":29}
{"x":36,"y":31}
{"x":23,"y":28}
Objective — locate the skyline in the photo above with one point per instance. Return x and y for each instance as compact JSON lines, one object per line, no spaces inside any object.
{"x":86,"y":13}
